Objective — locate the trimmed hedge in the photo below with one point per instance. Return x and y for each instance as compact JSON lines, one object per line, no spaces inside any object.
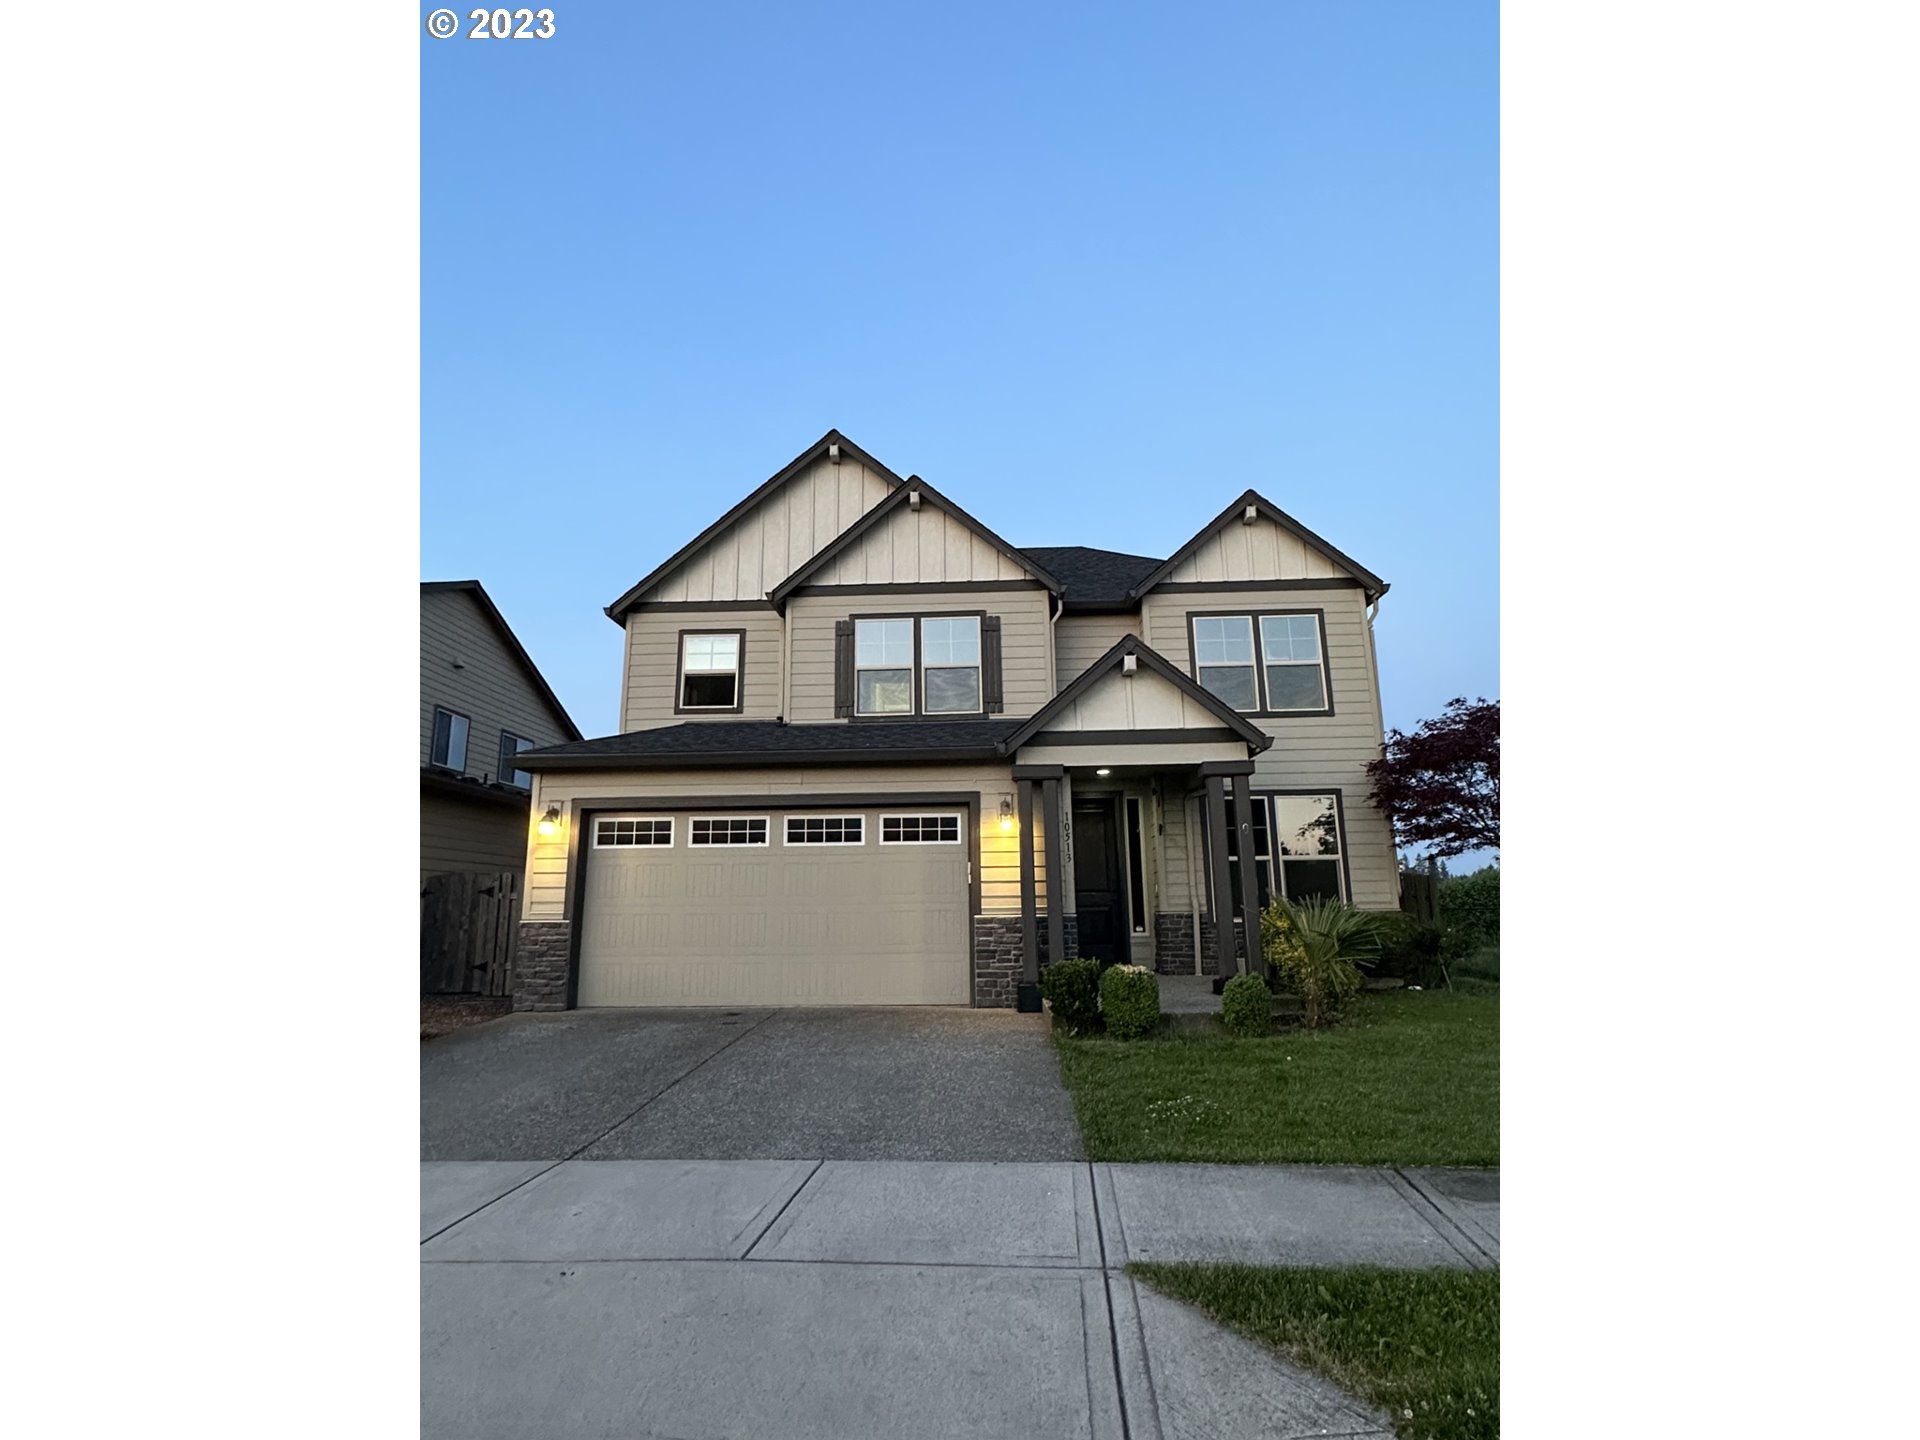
{"x":1072,"y":991}
{"x":1246,"y":1006}
{"x":1130,"y":1001}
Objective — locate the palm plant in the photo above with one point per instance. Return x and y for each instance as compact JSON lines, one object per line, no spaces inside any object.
{"x":1318,"y":947}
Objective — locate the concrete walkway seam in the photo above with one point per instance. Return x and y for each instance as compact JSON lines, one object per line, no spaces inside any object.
{"x":1113,"y":1326}
{"x":1474,"y":1253}
{"x":747,"y":1254}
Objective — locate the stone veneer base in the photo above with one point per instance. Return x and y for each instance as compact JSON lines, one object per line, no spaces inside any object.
{"x":541,"y":964}
{"x":999,"y":952}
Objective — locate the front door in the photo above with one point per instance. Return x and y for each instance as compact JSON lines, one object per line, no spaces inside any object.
{"x":1098,"y":888}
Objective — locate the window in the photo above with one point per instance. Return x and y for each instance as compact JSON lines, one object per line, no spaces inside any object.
{"x":637,"y":830}
{"x":919,"y":829}
{"x":1223,"y":658}
{"x":1307,"y":828}
{"x":942,"y":653}
{"x":1136,"y":881}
{"x":727,"y":830}
{"x":710,"y":670}
{"x":449,"y":739}
{"x":1262,"y":852}
{"x":1290,"y":649}
{"x":510,"y":746}
{"x":826,"y":830}
{"x":1290,"y":676}
{"x":883,"y":667}
{"x":950,"y":653}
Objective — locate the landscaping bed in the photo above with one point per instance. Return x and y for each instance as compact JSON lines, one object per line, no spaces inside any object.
{"x":440,"y":1014}
{"x":1423,"y":1345}
{"x":1405,"y":1078}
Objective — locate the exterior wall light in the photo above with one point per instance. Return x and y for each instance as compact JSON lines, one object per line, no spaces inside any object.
{"x":1006,"y":814}
{"x":1103,"y":770}
{"x":550,"y":822}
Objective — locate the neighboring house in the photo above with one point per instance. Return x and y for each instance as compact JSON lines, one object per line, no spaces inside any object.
{"x":481,"y":703}
{"x":872,"y":753}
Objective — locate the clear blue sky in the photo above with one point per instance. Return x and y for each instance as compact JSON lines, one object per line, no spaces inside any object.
{"x":1090,"y":269}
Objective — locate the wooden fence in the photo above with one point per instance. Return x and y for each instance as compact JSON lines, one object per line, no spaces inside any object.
{"x":1420,"y":895}
{"x":468,"y":928}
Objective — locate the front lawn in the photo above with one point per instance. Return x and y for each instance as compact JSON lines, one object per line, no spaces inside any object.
{"x":1407,"y":1078}
{"x":1423,"y":1345}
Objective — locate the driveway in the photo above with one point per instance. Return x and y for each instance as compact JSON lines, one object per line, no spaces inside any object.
{"x":843,"y":1084}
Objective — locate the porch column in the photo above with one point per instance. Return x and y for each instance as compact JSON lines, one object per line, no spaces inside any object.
{"x":1216,"y":820}
{"x":1056,"y":873}
{"x":1029,"y":909}
{"x":1249,"y":887}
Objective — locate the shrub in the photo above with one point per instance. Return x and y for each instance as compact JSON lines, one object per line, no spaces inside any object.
{"x":1470,"y":904}
{"x":1072,"y":992}
{"x":1410,"y":950}
{"x":1130,"y":1001}
{"x":1316,"y":947}
{"x":1246,"y":1006}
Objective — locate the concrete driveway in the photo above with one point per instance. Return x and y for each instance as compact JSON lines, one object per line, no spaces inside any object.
{"x":843,"y":1084}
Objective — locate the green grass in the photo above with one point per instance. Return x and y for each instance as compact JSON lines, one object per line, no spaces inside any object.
{"x":1407,"y":1078}
{"x":1423,"y":1345}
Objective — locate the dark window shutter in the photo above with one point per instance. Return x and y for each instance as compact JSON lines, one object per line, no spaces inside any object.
{"x":842,"y":669}
{"x":990,"y":665}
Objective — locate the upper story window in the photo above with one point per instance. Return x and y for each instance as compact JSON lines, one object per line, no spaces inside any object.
{"x":950,"y":655}
{"x":929,"y":665}
{"x":883,"y":667}
{"x":1267,"y":663}
{"x":710,"y":669}
{"x":510,"y":746}
{"x":449,"y":739}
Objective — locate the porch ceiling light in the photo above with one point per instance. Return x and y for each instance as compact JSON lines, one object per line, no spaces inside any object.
{"x":550,"y":822}
{"x":1006,"y":814}
{"x":1103,"y":770}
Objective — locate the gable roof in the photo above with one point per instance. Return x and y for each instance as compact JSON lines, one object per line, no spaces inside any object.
{"x":1374,"y":585}
{"x":618,"y":609}
{"x":512,"y":642}
{"x":878,"y":515}
{"x":1095,"y":579}
{"x":1156,"y":663}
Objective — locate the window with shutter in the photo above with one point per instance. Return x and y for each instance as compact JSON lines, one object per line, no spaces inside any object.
{"x":842,"y":669}
{"x":990,"y":650}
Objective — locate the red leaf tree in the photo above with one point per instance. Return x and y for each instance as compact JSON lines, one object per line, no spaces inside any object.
{"x":1441,"y":784}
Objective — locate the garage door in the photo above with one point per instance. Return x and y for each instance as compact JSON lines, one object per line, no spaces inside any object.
{"x":776,"y":908}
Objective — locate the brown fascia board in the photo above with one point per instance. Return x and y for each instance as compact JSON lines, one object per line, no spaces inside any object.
{"x":492,"y":611}
{"x":879,"y":514}
{"x":616,"y":612}
{"x":1159,"y":665}
{"x":768,"y":760}
{"x":1375,"y":586}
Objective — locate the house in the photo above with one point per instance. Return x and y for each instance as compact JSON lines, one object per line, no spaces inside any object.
{"x":871,"y":752}
{"x":482,"y":702}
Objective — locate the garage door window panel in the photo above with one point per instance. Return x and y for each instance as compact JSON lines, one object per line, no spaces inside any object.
{"x":716,"y":830}
{"x":826,"y":830}
{"x":919,"y":829}
{"x":633,"y":832}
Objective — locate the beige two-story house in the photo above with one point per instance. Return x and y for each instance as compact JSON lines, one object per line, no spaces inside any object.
{"x":873,"y":753}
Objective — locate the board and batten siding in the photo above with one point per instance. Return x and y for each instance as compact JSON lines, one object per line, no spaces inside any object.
{"x":1079,"y":640}
{"x":490,"y":687}
{"x":918,"y":547}
{"x":1260,"y":551}
{"x":1311,"y":751}
{"x":1025,"y":666}
{"x":653,"y":663}
{"x":777,"y":536}
{"x":999,"y":850}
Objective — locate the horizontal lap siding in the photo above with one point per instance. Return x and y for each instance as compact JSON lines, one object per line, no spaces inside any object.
{"x":1315,"y":750}
{"x":1079,"y":640}
{"x":464,"y":838}
{"x":999,"y":852}
{"x":653,"y":663}
{"x":1023,"y":642}
{"x":491,"y":688}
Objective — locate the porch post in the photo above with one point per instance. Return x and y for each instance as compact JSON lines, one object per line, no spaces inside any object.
{"x":1029,"y":908}
{"x":1249,"y":890}
{"x":1056,"y":874}
{"x":1216,"y":819}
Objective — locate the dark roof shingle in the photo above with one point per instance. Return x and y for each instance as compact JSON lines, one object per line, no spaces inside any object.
{"x":1092,"y":577}
{"x":745,"y":742}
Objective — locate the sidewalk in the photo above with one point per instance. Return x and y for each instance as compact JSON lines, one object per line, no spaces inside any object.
{"x":881,"y":1298}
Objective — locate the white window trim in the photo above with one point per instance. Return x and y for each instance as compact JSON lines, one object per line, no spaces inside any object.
{"x":960,"y":829}
{"x":466,"y":740}
{"x":761,"y":844}
{"x":1278,"y":861}
{"x":787,"y":839}
{"x":978,"y":667}
{"x":521,"y":742}
{"x":1320,"y":642}
{"x":672,"y":838}
{"x":1193,"y":649}
{"x":912,"y":667}
{"x":735,"y":670}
